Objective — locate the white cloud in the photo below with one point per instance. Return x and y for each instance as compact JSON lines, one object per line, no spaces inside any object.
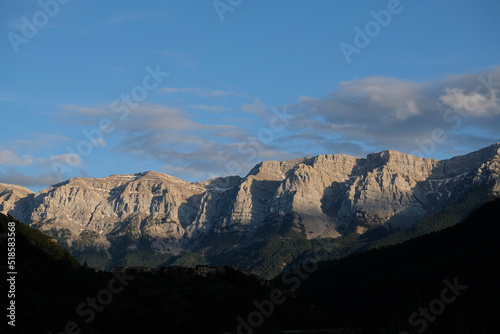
{"x":379,"y":113}
{"x":172,"y":137}
{"x":392,"y":98}
{"x":474,"y":103}
{"x":17,"y":165}
{"x":71,"y":159}
{"x":28,"y":181}
{"x":361,"y":116}
{"x":10,"y":158}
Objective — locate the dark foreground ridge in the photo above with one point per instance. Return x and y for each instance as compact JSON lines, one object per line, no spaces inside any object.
{"x":443,"y":282}
{"x":55,"y":294}
{"x":389,"y":290}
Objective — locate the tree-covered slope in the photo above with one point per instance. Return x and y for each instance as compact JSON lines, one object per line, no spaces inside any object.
{"x":385,"y":288}
{"x":55,"y":294}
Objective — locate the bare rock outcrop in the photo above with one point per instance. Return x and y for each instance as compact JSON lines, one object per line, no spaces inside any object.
{"x":322,"y":196}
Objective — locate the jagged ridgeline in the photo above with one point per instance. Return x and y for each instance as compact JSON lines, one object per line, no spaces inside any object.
{"x":264,"y":222}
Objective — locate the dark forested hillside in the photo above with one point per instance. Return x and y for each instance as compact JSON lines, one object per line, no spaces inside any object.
{"x":55,"y":294}
{"x":387,"y":287}
{"x":443,"y":282}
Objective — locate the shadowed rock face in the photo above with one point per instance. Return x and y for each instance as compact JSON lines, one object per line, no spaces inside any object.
{"x":322,"y":196}
{"x":16,"y":200}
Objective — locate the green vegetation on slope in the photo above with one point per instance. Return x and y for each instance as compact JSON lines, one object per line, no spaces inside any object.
{"x":267,"y":256}
{"x":354,"y":243}
{"x":382,"y":288}
{"x":447,"y":217}
{"x":53,"y":291}
{"x":187,"y":259}
{"x":267,"y":259}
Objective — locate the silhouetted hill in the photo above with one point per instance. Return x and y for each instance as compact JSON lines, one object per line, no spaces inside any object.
{"x":377,"y":290}
{"x":382,"y":288}
{"x":55,"y":294}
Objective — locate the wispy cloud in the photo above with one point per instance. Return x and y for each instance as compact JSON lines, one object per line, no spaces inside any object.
{"x":12,"y":176}
{"x":255,"y":107}
{"x":13,"y":167}
{"x":73,"y":158}
{"x":12,"y":163}
{"x":361,"y":116}
{"x":39,"y":140}
{"x":381,"y":112}
{"x":208,"y":108}
{"x":474,"y":103}
{"x":172,"y":137}
{"x":202,"y":92}
{"x":10,"y":158}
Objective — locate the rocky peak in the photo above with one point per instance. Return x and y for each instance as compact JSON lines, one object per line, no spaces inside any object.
{"x":465,"y":163}
{"x":321,"y":196}
{"x":275,"y":170}
{"x":220,"y":183}
{"x":15,"y":200}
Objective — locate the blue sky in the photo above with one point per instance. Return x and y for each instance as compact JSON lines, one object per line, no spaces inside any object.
{"x":199,"y":89}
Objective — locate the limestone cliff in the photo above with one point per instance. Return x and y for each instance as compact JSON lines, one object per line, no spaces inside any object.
{"x":322,"y":196}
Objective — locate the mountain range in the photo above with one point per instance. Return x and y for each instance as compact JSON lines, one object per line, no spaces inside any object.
{"x":442,"y":282}
{"x":264,"y":222}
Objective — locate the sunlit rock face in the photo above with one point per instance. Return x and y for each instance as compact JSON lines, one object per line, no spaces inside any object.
{"x":322,"y":196}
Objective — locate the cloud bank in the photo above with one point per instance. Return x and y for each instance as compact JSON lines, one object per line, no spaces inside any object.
{"x":437,"y":119}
